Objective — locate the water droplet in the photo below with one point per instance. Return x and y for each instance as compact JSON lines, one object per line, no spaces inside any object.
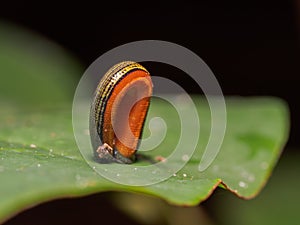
{"x":70,"y":157}
{"x":243,"y":184}
{"x":32,"y":146}
{"x":174,"y":175}
{"x":38,"y":165}
{"x":105,"y":170}
{"x":264,"y":165}
{"x":215,"y":168}
{"x":248,"y":176}
{"x":94,"y":167}
{"x":118,"y":174}
{"x":251,"y":178}
{"x":50,"y":150}
{"x":185,"y":158}
{"x":135,"y":169}
{"x":184,"y":175}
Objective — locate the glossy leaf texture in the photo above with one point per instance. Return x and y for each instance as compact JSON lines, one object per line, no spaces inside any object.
{"x":40,"y":161}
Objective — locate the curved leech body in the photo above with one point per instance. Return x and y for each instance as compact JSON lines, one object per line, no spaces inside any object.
{"x":118,"y":112}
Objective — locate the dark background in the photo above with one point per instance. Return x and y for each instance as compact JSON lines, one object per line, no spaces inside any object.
{"x":251,"y":46}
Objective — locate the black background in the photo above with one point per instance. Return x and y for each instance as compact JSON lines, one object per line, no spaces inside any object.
{"x":251,"y":46}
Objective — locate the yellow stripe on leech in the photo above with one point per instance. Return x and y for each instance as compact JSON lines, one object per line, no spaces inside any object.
{"x":109,"y":82}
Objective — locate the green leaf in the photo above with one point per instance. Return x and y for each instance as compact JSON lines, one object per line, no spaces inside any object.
{"x":39,"y":159}
{"x":34,"y":69}
{"x":278,"y":203}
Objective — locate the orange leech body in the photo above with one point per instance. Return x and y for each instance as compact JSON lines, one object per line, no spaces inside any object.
{"x":119,"y":110}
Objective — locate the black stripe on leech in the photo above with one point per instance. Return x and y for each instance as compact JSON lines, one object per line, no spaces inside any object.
{"x":106,"y":80}
{"x":106,"y":98}
{"x":99,"y":92}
